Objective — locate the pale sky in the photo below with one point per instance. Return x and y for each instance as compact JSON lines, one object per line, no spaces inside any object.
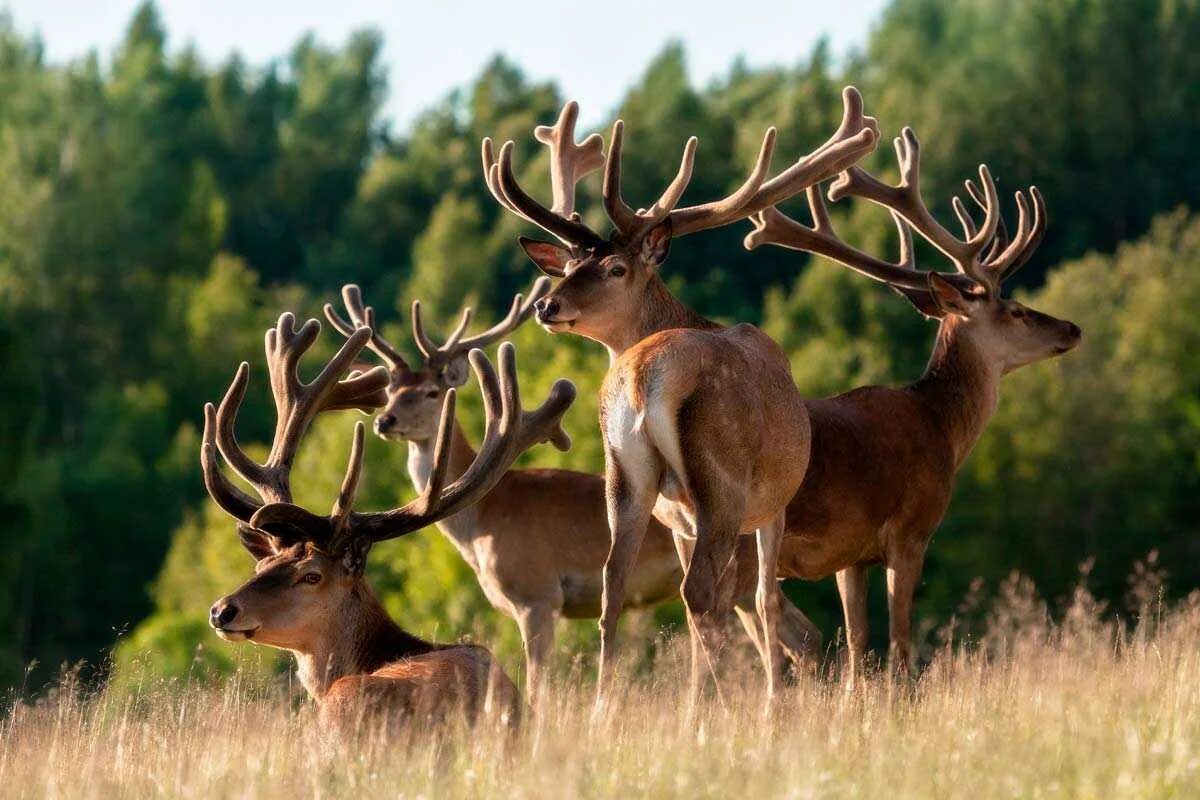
{"x":594,"y":51}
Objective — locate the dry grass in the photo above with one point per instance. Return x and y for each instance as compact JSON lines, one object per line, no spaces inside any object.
{"x":1079,"y":709}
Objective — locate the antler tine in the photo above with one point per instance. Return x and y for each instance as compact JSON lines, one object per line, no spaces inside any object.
{"x":905,"y":198}
{"x":362,"y":315}
{"x":344,"y":504}
{"x":232,"y":500}
{"x":441,"y":452}
{"x":508,"y":432}
{"x":522,"y":308}
{"x":621,"y":215}
{"x":569,"y":162}
{"x":567,"y":229}
{"x":1000,"y":240}
{"x":296,"y":404}
{"x":771,"y":226}
{"x":491,"y":177}
{"x":1034,"y":239}
{"x":1024,"y":242}
{"x":226,"y":439}
{"x":855,"y":137}
{"x":425,"y":344}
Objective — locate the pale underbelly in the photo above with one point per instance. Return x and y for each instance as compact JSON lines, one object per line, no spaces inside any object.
{"x":652,"y":581}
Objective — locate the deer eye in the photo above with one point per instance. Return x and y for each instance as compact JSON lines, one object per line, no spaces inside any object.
{"x":432,"y":394}
{"x":311,"y":578}
{"x":616,"y":271}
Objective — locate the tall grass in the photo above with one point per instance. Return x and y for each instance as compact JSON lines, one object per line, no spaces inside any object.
{"x":1081,"y":707}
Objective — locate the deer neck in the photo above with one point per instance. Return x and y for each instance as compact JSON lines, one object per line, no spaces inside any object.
{"x":657,"y":310}
{"x":961,"y":385}
{"x":357,"y":638}
{"x":461,"y":527}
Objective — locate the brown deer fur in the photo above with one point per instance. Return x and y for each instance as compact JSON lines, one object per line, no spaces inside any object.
{"x":351,"y":657}
{"x":701,"y":424}
{"x":308,"y":594}
{"x":884,"y":460}
{"x":536,"y":567}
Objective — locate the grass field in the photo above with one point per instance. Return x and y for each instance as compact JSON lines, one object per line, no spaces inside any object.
{"x":1029,"y":709}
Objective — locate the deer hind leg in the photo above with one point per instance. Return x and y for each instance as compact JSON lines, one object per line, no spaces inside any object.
{"x":903,"y":575}
{"x":537,"y":635}
{"x":852,"y":586}
{"x":684,"y":548}
{"x":631,"y":488}
{"x":709,"y":584}
{"x":766,"y":601}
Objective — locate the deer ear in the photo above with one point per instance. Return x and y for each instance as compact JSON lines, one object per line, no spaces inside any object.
{"x":456,"y":372}
{"x":550,"y":258}
{"x":657,"y":243}
{"x":922,"y":300}
{"x":948,"y":298}
{"x":259,"y":544}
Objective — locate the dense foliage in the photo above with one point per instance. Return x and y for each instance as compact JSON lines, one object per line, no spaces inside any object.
{"x":156,"y":212}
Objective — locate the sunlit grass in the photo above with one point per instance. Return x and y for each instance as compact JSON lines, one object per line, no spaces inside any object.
{"x":1082,"y":708}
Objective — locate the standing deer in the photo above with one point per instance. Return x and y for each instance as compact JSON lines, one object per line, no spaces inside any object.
{"x":308,"y":594}
{"x":702,"y":424}
{"x":884,"y":460}
{"x":538,"y":541}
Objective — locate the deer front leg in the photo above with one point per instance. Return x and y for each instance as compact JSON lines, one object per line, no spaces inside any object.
{"x":766,"y":599}
{"x":852,"y":586}
{"x":630,"y":494}
{"x":537,"y":635}
{"x":903,"y":575}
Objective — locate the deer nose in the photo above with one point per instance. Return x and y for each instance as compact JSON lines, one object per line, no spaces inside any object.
{"x":222,"y":613}
{"x":1075,"y":331}
{"x":384,"y":423}
{"x":547,"y":309}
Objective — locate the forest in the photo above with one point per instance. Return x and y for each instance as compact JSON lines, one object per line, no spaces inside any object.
{"x":158,"y":212}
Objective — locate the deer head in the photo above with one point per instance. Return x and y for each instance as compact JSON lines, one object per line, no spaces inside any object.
{"x":415,"y":396}
{"x":309,"y":564}
{"x":968,"y":301}
{"x":608,"y":284}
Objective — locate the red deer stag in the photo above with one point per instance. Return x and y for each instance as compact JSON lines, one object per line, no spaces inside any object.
{"x":538,"y":541}
{"x":308,"y":594}
{"x":702,"y":424}
{"x":884,"y":460}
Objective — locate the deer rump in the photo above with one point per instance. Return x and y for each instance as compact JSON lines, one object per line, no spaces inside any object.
{"x":665,"y":399}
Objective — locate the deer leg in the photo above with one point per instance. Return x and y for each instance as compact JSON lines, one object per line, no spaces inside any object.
{"x":537,"y":635}
{"x":710,"y":582}
{"x":684,"y":548}
{"x":630,"y":496}
{"x":799,"y":638}
{"x":903,"y":575}
{"x":747,"y":614}
{"x":852,"y":586}
{"x":766,"y":601}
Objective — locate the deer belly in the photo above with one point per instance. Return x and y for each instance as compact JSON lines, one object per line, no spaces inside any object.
{"x":652,"y":581}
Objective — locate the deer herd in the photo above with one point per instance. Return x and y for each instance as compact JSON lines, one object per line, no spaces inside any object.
{"x":720,"y":478}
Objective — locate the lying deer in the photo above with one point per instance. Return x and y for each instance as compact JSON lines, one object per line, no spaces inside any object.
{"x":308,"y":594}
{"x":884,"y":460}
{"x":533,"y":566}
{"x":702,"y":424}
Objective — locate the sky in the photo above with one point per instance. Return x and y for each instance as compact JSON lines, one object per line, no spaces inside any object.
{"x":594,"y":51}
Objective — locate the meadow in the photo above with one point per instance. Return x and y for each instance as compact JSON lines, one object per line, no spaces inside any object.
{"x":1084,"y":707}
